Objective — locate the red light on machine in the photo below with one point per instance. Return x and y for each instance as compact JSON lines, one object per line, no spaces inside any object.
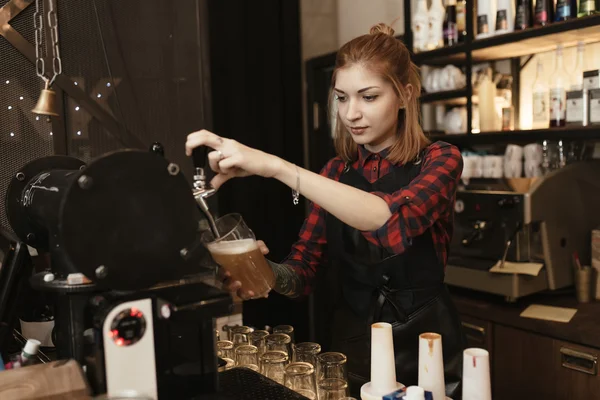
{"x":114,"y":333}
{"x":477,"y":207}
{"x":120,"y":342}
{"x":135,"y":313}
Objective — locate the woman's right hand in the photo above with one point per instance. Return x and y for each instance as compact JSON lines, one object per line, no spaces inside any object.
{"x":235,"y":286}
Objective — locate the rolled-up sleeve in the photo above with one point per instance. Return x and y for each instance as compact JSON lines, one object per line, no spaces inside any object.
{"x":417,"y":206}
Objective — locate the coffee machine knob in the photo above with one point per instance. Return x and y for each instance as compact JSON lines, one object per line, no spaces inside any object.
{"x":128,"y":327}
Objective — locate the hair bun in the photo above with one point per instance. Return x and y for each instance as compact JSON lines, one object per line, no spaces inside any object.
{"x":382,"y":28}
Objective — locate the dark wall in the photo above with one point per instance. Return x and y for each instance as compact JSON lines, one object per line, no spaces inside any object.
{"x":256,"y":98}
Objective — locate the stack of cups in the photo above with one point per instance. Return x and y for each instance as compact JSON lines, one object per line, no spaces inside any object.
{"x":533,"y":160}
{"x":472,"y":167}
{"x":493,"y":166}
{"x":383,"y":366}
{"x":476,"y":375}
{"x":513,"y":161}
{"x":431,"y":365}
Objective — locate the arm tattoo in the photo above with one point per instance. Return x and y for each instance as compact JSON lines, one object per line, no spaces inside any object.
{"x":287,"y":281}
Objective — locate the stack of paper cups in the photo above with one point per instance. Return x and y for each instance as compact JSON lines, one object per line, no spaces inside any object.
{"x":476,"y":375}
{"x":383,"y":365}
{"x":431,"y":365}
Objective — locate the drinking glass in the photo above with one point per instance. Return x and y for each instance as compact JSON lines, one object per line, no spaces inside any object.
{"x":287,"y":329}
{"x":279,"y":341}
{"x":225,"y":349}
{"x":333,"y":389}
{"x":257,"y":338}
{"x":238,"y":253}
{"x":307,"y":352}
{"x":246,"y":355}
{"x":331,"y":365}
{"x":239,"y":334}
{"x":300,"y":377}
{"x":272,"y":365}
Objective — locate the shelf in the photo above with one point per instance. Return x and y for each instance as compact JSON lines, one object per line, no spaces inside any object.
{"x":522,"y":137}
{"x":537,"y":40}
{"x":450,"y":97}
{"x":517,"y":43}
{"x":442,"y":56}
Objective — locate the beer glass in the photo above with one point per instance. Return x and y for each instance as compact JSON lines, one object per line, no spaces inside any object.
{"x":246,"y":356}
{"x":331,"y":365}
{"x":287,"y":329}
{"x":225,"y":349}
{"x":307,"y":352}
{"x":238,"y":253}
{"x":272,"y":365}
{"x":300,"y":377}
{"x":279,"y":341}
{"x":333,"y":389}
{"x":257,"y":338}
{"x":239,"y":334}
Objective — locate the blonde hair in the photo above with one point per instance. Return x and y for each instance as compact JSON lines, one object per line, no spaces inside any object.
{"x":382,"y":53}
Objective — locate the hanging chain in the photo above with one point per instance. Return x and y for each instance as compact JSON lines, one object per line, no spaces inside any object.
{"x":53,"y":25}
{"x":38,"y":24}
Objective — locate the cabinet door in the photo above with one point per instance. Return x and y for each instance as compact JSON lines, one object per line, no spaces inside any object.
{"x":524,"y":365}
{"x":478,"y":332}
{"x":576,"y":369}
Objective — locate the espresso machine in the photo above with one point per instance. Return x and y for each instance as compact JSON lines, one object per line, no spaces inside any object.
{"x":545,"y":223}
{"x":126,"y":274}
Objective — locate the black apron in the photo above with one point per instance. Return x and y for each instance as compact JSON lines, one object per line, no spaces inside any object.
{"x":364,"y":283}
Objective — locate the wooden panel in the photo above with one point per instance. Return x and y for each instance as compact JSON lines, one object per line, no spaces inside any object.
{"x":524,"y":366}
{"x":576,"y":371}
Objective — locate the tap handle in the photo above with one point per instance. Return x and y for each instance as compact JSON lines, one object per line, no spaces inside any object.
{"x":199,"y":157}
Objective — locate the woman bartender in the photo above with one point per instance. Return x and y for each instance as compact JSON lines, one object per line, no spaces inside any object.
{"x":381,"y":212}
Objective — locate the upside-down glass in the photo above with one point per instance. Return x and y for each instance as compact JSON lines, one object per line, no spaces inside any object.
{"x":332,"y":389}
{"x":225,"y":349}
{"x":239,"y":334}
{"x":246,"y":355}
{"x":272,"y":365}
{"x":238,"y":253}
{"x":257,"y":338}
{"x":279,"y":341}
{"x":287,"y":329}
{"x":331,"y":365}
{"x":307,"y":352}
{"x":300,"y":377}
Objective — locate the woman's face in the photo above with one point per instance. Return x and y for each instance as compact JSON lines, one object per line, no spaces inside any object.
{"x":368,"y":107}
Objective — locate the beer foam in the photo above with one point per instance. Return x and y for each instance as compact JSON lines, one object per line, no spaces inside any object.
{"x":231,"y":247}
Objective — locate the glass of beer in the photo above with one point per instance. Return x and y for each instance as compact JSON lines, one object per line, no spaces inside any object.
{"x":238,"y":253}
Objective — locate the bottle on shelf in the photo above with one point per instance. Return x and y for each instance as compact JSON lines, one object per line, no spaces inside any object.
{"x":420,"y":27}
{"x":580,"y":68}
{"x":505,"y":17}
{"x":436,"y":22}
{"x":586,"y":7}
{"x":565,"y":9}
{"x":523,"y":15}
{"x":485,"y":19}
{"x":488,"y":121}
{"x":541,"y":99}
{"x":559,"y":82}
{"x":461,"y":20}
{"x":450,"y":26}
{"x":544,"y":12}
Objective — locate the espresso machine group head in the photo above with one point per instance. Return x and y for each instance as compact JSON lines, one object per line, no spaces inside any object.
{"x":128,"y":227}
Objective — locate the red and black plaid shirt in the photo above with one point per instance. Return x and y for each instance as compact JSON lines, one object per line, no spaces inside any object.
{"x":426,"y":203}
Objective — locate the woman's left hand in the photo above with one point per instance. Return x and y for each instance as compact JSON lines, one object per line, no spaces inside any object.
{"x":231,"y":159}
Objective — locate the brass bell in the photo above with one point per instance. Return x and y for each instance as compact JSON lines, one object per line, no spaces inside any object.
{"x":46,"y":104}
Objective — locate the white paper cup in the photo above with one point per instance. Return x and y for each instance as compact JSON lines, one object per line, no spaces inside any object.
{"x":383,"y":365}
{"x":476,"y":375}
{"x":431,"y":364}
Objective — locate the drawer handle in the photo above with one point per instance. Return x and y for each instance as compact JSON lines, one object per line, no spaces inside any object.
{"x":472,"y":327}
{"x":579,"y":361}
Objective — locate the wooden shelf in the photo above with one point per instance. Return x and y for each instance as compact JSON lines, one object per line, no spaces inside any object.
{"x":450,"y":97}
{"x":537,"y":40}
{"x":521,"y":137}
{"x":517,"y":43}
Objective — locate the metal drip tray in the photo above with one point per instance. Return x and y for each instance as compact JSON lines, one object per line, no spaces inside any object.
{"x":245,"y":384}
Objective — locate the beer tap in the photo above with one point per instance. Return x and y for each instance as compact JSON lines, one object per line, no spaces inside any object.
{"x":203,"y":189}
